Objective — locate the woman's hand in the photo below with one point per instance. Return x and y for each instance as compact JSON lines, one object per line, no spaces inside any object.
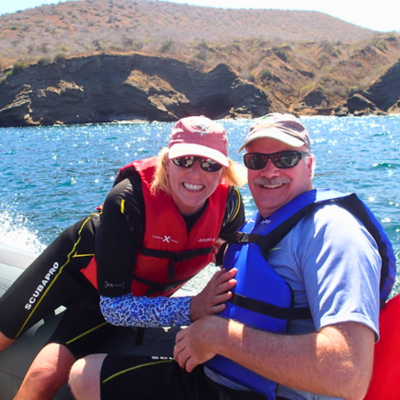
{"x":212,"y":298}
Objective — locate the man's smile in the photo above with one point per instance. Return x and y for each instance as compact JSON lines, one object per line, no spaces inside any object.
{"x":274,"y":183}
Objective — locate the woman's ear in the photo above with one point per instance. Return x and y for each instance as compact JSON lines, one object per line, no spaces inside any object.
{"x":222,"y":176}
{"x":166,"y":165}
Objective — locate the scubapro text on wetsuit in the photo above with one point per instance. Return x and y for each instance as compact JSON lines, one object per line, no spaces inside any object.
{"x":41,"y":286}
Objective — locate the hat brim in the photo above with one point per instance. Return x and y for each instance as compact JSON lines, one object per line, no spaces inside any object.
{"x":276,"y":134}
{"x":191,"y":149}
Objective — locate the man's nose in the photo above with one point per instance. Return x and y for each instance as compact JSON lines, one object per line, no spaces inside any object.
{"x":270,"y":169}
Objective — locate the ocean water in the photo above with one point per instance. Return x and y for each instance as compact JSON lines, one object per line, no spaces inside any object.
{"x":50,"y":177}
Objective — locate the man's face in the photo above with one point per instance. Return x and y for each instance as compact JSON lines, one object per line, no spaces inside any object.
{"x":273,"y":187}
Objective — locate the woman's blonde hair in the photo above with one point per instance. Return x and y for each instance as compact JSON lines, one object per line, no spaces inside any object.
{"x":235,"y":174}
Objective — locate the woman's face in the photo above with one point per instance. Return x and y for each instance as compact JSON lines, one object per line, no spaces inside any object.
{"x":191,"y":187}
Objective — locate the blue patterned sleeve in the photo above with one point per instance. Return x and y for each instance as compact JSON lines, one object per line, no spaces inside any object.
{"x":146,"y":312}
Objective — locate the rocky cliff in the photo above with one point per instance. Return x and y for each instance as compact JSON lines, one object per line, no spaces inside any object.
{"x":382,"y":95}
{"x":108,"y":87}
{"x":111,"y":87}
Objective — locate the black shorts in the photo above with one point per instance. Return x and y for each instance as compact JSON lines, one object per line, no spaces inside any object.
{"x":83,"y":329}
{"x":154,"y":378}
{"x":53,"y":280}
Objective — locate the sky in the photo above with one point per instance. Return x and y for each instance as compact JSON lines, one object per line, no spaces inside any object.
{"x":382,"y":16}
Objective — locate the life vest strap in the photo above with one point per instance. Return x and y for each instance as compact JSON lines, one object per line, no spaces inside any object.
{"x":271,"y":239}
{"x":353,"y":205}
{"x":175,"y":256}
{"x":155,"y":287}
{"x":270,"y":309}
{"x":219,"y":258}
{"x":264,"y":242}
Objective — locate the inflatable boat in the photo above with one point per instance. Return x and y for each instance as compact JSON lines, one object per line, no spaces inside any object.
{"x":16,"y":359}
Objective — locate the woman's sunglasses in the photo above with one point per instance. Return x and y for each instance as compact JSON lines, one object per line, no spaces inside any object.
{"x":281,"y":159}
{"x":205,"y":163}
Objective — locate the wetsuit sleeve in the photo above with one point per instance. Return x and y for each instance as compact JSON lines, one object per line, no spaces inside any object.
{"x":120,"y":233}
{"x":146,"y":312}
{"x":234,"y":216}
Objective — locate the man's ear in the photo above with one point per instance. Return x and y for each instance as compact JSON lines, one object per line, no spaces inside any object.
{"x":311,"y":166}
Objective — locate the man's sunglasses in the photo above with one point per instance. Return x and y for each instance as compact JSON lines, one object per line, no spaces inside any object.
{"x":281,"y":159}
{"x":205,"y":163}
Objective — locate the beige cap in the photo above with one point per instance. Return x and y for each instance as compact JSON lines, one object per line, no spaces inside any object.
{"x":283,"y":127}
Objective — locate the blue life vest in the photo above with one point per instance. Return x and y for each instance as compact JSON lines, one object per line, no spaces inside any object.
{"x":262,"y":299}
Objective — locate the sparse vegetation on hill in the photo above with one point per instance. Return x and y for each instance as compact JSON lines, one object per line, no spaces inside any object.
{"x":291,"y":55}
{"x":207,"y":34}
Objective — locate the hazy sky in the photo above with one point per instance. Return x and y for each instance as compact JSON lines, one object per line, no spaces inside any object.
{"x":382,"y":16}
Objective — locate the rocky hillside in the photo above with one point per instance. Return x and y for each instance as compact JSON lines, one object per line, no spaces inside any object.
{"x":107,"y":88}
{"x":90,"y":61}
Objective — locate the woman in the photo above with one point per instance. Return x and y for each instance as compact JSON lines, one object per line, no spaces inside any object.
{"x":162,"y":222}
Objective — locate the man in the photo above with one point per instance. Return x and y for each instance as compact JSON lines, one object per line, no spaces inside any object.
{"x":332,"y":265}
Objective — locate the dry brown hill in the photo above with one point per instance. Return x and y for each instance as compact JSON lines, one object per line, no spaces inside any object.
{"x":305,"y":62}
{"x":79,"y":27}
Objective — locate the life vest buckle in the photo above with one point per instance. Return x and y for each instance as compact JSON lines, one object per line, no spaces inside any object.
{"x":241,"y":237}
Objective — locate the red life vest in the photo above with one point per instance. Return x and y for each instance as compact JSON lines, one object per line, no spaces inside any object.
{"x":169,"y":257}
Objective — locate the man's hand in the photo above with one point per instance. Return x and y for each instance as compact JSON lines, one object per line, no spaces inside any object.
{"x":212,"y":298}
{"x":193,"y":344}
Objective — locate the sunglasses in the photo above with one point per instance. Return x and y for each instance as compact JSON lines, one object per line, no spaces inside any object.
{"x":205,"y":163}
{"x":281,"y":159}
